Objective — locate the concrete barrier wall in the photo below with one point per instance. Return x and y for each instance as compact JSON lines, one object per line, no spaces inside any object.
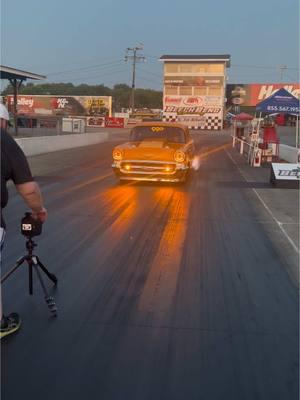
{"x":288,"y":153}
{"x":46,"y":144}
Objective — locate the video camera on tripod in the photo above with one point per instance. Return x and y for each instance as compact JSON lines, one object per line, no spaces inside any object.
{"x":31,"y":227}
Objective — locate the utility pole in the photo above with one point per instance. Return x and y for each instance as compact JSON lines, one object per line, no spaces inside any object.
{"x":131,"y":54}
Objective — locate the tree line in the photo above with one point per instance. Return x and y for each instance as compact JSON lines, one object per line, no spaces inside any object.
{"x":144,"y":98}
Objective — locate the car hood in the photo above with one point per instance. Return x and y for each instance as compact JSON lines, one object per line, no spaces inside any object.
{"x":150,"y":150}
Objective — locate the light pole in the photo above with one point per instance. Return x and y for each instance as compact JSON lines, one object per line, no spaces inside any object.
{"x":282,"y":68}
{"x":131,"y":54}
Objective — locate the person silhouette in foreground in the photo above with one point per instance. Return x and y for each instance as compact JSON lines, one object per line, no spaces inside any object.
{"x":15,"y":167}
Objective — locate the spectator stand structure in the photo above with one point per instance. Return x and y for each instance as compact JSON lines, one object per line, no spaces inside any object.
{"x":16,"y":77}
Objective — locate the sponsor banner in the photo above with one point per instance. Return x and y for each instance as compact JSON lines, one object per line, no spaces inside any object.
{"x":286,"y":171}
{"x":34,"y":105}
{"x":121,"y":115}
{"x":252,"y":94}
{"x":283,"y":109}
{"x":98,"y":122}
{"x":193,"y":101}
{"x":114,"y":122}
{"x":134,"y":121}
{"x":192,"y":121}
{"x":193,"y":110}
{"x":193,"y":80}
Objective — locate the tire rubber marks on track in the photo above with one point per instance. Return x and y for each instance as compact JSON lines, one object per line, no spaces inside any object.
{"x":85,"y":183}
{"x":160,"y":287}
{"x":278,"y":223}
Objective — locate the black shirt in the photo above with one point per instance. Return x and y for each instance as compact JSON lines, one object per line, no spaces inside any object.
{"x":14,"y":166}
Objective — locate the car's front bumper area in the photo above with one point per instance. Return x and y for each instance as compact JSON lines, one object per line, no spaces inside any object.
{"x":155,"y":171}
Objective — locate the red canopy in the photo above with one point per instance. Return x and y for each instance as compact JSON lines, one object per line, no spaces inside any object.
{"x":243,"y":117}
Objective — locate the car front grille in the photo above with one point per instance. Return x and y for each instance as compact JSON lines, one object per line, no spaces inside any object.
{"x":147,"y":167}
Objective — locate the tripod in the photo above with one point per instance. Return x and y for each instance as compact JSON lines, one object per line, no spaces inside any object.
{"x":34,"y":263}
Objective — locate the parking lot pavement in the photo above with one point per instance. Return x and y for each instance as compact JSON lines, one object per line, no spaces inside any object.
{"x":281,"y":204}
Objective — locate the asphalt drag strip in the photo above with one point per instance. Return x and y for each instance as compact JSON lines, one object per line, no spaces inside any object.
{"x":164,"y":292}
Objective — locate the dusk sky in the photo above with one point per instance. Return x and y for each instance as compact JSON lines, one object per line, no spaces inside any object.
{"x":85,"y":41}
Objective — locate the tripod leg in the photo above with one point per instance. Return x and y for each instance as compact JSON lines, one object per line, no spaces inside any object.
{"x":17,"y":265}
{"x":49,"y":300}
{"x":52,"y":277}
{"x":30,"y":277}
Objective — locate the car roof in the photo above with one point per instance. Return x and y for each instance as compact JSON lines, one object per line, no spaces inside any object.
{"x":159,"y":123}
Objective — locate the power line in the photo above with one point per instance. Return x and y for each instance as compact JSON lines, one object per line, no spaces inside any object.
{"x":149,"y":56}
{"x":87,"y":74}
{"x":59,"y":65}
{"x":261,"y":67}
{"x":150,"y":72}
{"x":95,"y":76}
{"x":149,"y":80}
{"x":85,"y":68}
{"x":250,"y":75}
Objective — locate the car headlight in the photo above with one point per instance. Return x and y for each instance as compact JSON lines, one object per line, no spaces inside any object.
{"x":179,"y":156}
{"x":117,"y":155}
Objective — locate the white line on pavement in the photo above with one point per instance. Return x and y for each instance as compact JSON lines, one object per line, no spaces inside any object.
{"x":280,"y":224}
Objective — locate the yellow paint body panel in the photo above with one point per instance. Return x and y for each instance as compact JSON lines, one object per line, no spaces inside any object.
{"x":153,"y":158}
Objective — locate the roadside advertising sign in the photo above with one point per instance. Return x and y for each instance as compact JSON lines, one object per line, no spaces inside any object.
{"x":35,"y":106}
{"x":121,"y":115}
{"x":114,"y":122}
{"x":98,"y":122}
{"x":194,"y":111}
{"x":281,"y":101}
{"x":197,"y":107}
{"x":134,"y":121}
{"x":252,"y":94}
{"x":192,"y":104}
{"x":286,"y":171}
{"x":189,"y":120}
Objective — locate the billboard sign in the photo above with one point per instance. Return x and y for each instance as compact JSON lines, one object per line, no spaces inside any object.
{"x":252,"y":94}
{"x":114,"y":122}
{"x":35,"y":105}
{"x":286,"y":171}
{"x":280,"y":102}
{"x":193,"y":105}
{"x":203,"y":112}
{"x":98,"y":122}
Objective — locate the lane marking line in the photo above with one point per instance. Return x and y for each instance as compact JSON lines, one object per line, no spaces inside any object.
{"x":279,"y":224}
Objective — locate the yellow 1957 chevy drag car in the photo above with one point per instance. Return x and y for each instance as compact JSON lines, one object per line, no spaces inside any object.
{"x":156,"y":151}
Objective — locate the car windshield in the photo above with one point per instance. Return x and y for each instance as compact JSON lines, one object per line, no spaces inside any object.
{"x":170,"y":134}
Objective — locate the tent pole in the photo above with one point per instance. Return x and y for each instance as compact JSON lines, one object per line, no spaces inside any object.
{"x":255,"y":144}
{"x":297,"y":132}
{"x":233,"y":133}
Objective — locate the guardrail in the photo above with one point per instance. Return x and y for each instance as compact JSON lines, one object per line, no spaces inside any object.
{"x":251,"y":150}
{"x":47,"y":144}
{"x":289,"y":153}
